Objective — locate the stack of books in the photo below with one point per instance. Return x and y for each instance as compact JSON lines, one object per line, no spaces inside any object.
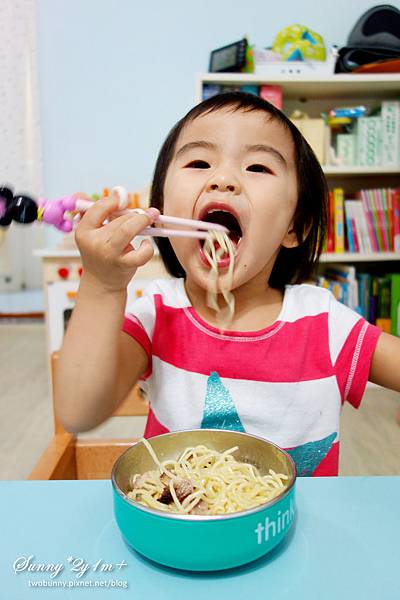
{"x":376,"y":298}
{"x":365,"y":222}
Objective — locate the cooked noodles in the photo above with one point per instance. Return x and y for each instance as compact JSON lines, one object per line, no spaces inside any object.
{"x":204,"y":481}
{"x":213,"y":255}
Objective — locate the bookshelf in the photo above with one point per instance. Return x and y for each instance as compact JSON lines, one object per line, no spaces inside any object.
{"x":314,"y":95}
{"x":299,"y":88}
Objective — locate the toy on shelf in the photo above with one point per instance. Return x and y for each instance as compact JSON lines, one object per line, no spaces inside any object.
{"x":61,"y":212}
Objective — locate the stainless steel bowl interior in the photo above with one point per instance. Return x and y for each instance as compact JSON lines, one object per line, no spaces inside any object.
{"x":254,"y":450}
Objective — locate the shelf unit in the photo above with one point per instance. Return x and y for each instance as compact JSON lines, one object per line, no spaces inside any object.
{"x":299,"y":87}
{"x":314,"y":95}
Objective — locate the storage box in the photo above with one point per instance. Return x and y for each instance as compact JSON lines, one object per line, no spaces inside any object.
{"x":314,"y":132}
{"x":346,"y":149}
{"x":369,"y":141}
{"x":273,"y":94}
{"x":265,"y":63}
{"x":391,"y":133}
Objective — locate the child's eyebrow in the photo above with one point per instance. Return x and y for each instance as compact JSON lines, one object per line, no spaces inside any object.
{"x":268,"y":150}
{"x":197,"y":144}
{"x":248,"y":148}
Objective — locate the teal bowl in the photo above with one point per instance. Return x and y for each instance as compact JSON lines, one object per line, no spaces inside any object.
{"x":197,"y":542}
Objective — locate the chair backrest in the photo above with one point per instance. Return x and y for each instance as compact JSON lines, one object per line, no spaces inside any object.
{"x":135,"y":404}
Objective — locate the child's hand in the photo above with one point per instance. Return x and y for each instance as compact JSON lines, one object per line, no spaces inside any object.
{"x":108,"y":257}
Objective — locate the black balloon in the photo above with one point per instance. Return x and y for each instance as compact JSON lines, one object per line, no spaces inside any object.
{"x":6,"y":219}
{"x":23,"y":209}
{"x":19,"y":208}
{"x":6,"y":197}
{"x":6,"y":194}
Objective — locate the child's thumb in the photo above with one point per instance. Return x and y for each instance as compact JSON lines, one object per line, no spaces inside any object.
{"x":144,"y":253}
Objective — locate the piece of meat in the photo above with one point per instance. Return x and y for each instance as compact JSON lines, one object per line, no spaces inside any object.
{"x":200,"y":509}
{"x":166,"y":497}
{"x":165,"y":479}
{"x":182,"y":488}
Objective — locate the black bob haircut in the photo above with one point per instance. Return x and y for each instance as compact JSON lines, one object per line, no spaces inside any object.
{"x":292,"y":265}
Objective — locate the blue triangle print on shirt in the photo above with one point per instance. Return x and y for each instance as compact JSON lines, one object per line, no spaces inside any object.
{"x":219,"y":409}
{"x":308,"y":456}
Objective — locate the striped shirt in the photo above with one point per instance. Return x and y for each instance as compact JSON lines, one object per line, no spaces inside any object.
{"x":285,"y":383}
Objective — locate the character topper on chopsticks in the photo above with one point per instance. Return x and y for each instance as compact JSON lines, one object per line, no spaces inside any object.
{"x":63,"y":212}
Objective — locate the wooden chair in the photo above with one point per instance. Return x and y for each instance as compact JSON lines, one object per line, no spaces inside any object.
{"x":68,"y":457}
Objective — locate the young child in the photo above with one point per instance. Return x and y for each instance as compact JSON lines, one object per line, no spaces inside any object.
{"x":292,"y":354}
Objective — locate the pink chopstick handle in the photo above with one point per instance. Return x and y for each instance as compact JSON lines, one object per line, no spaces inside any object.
{"x":190,"y":223}
{"x":161,"y":232}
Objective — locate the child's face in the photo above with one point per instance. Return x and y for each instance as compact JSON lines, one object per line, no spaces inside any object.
{"x":241,"y":163}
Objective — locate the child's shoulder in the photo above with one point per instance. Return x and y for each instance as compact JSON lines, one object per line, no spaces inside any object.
{"x":306,"y":299}
{"x":308,"y":296}
{"x":171,"y":290}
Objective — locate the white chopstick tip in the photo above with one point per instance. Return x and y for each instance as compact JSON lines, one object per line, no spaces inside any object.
{"x":120,"y":193}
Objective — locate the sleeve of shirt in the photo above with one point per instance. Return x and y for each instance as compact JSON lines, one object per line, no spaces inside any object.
{"x":352,"y":342}
{"x":140,"y":316}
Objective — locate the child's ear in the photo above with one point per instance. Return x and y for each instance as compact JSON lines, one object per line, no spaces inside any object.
{"x":290,"y":240}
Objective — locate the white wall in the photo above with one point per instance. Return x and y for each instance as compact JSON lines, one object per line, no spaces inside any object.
{"x":116,"y":75}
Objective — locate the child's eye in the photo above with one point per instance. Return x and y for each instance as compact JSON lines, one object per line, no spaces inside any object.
{"x":198,"y":164}
{"x":259,"y":169}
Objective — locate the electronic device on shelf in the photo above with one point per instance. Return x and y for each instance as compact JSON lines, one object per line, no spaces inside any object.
{"x":229,"y":59}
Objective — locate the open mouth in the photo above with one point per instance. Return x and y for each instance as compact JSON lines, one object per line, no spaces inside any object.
{"x":228,"y":220}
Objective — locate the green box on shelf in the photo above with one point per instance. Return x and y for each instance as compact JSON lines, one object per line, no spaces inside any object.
{"x":391,"y":133}
{"x":346,"y":149}
{"x":369,"y":141}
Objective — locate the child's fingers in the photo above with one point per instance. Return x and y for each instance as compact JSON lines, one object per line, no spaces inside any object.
{"x":122,"y":231}
{"x":95,"y":216}
{"x":139,"y":257}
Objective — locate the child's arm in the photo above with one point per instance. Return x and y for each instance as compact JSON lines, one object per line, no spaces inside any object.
{"x":385,"y":366}
{"x":99,"y":363}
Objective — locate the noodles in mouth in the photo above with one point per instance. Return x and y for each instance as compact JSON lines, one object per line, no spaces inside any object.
{"x":213,"y":255}
{"x":204,"y":481}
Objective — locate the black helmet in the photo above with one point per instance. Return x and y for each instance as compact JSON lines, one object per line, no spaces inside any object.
{"x":375,"y":37}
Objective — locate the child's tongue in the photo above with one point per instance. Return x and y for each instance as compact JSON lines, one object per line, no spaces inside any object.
{"x":223,"y":259}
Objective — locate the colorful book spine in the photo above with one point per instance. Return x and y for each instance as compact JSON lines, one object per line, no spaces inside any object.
{"x":349,"y":227}
{"x":364,"y":286}
{"x":374,"y":211}
{"x":338,"y":200}
{"x":381,"y":219}
{"x":370,"y":221}
{"x":355,"y":231}
{"x":389,"y":205}
{"x":330,"y":238}
{"x":396,"y":219}
{"x":373,"y":300}
{"x":385,"y":210}
{"x":395,"y":304}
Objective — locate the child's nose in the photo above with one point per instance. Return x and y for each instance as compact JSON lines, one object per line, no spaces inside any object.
{"x":223,"y":183}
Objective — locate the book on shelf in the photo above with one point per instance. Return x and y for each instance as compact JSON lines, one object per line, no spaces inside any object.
{"x":376,"y":298}
{"x":395,"y":303}
{"x":341,"y":281}
{"x":365,"y":222}
{"x":338,"y":220}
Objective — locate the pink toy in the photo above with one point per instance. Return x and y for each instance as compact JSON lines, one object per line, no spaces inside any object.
{"x":54,"y":212}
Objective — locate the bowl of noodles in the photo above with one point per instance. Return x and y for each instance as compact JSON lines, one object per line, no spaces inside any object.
{"x":204,"y":499}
